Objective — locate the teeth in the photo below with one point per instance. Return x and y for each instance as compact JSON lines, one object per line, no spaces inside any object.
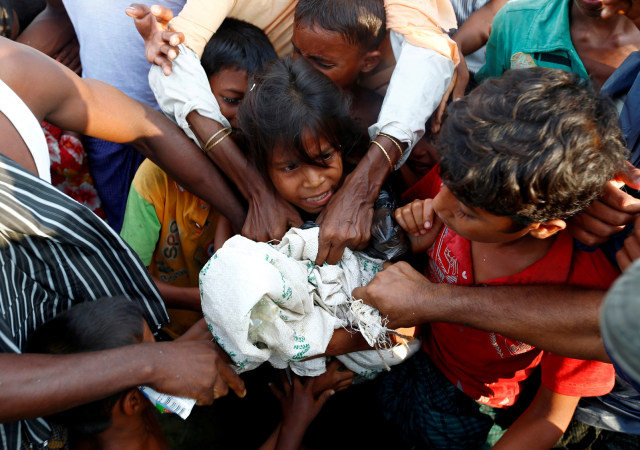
{"x":319,"y":197}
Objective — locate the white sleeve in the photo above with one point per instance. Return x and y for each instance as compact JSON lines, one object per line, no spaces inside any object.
{"x":419,"y":81}
{"x":186,"y":89}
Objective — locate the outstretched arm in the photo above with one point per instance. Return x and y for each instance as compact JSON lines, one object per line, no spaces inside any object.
{"x":198,"y":114}
{"x":419,"y":81}
{"x":96,"y":109}
{"x":35,"y":385}
{"x":559,"y":319}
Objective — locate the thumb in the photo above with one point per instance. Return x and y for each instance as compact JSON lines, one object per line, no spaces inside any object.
{"x":630,"y":176}
{"x":324,"y":397}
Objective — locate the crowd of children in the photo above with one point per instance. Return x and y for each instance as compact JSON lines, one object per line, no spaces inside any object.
{"x":518,"y":200}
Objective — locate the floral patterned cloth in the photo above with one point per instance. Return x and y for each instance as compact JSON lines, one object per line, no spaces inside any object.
{"x":70,"y":168}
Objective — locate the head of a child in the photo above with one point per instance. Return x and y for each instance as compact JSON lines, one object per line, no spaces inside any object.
{"x":299,"y":132}
{"x":340,"y":38}
{"x":234,"y":53}
{"x":102,"y":324}
{"x":521,"y":154}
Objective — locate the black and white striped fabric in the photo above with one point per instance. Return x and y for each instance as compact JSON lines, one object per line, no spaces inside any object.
{"x":55,"y":253}
{"x":464,"y":8}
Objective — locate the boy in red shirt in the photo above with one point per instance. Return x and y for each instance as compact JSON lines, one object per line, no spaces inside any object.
{"x":518,"y":157}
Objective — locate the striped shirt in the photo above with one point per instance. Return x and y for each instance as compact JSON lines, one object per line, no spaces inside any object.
{"x":55,"y":253}
{"x":464,"y":8}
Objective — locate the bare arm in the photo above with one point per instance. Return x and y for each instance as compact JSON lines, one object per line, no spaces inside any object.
{"x":474,"y":32}
{"x":179,"y":297}
{"x":96,"y":109}
{"x":35,"y":385}
{"x":52,"y":33}
{"x":559,"y":319}
{"x":346,"y":221}
{"x":542,"y":424}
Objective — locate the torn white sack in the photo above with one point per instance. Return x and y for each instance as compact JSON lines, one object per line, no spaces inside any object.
{"x":266,"y":302}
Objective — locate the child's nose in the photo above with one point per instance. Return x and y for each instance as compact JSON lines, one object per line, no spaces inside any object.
{"x":313,"y":176}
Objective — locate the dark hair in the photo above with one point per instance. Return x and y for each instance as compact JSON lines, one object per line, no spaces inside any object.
{"x":102,"y":324}
{"x":237,"y":44}
{"x":360,"y":22}
{"x":535,"y":145}
{"x":291,"y":97}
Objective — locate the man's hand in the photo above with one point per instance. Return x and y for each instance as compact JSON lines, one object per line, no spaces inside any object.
{"x":194,"y":369}
{"x":610,"y":213}
{"x":396,"y":292}
{"x":346,"y":221}
{"x":269,"y":217}
{"x":159,"y":42}
{"x":631,"y":249}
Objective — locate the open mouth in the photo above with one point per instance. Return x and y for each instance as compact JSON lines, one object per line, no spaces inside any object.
{"x":319,"y":200}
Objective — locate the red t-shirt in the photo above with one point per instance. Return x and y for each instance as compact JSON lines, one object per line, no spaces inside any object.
{"x":488,"y":366}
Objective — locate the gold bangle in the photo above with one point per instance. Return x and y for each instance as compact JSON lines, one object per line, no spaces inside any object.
{"x":385,"y":153}
{"x":206,"y":148}
{"x":394,"y":140}
{"x":210,"y":147}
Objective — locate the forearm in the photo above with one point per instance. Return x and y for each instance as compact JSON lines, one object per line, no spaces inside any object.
{"x":559,"y":319}
{"x":474,"y":32}
{"x":419,"y":81}
{"x":179,"y":297}
{"x":96,"y":109}
{"x":186,"y":164}
{"x":228,"y":157}
{"x":542,"y":424}
{"x":50,"y":31}
{"x":35,"y":385}
{"x":272,"y":440}
{"x":343,"y":342}
{"x":290,"y":435}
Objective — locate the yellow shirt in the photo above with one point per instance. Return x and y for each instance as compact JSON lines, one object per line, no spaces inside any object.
{"x":172,"y":232}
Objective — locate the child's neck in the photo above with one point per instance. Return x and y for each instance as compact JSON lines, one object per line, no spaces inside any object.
{"x":497,"y":260}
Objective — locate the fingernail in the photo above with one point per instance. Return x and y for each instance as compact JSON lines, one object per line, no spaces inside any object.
{"x":427,"y":224}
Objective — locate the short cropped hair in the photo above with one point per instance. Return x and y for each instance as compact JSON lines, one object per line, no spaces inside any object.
{"x":289,"y":98}
{"x":102,"y":324}
{"x":360,"y":22}
{"x":239,"y":45}
{"x":535,"y":145}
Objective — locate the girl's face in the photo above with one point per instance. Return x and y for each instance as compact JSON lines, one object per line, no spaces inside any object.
{"x":304,"y":185}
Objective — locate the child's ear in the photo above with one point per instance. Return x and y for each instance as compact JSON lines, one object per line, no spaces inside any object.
{"x":133,"y":402}
{"x":370,"y":60}
{"x":546,"y":229}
